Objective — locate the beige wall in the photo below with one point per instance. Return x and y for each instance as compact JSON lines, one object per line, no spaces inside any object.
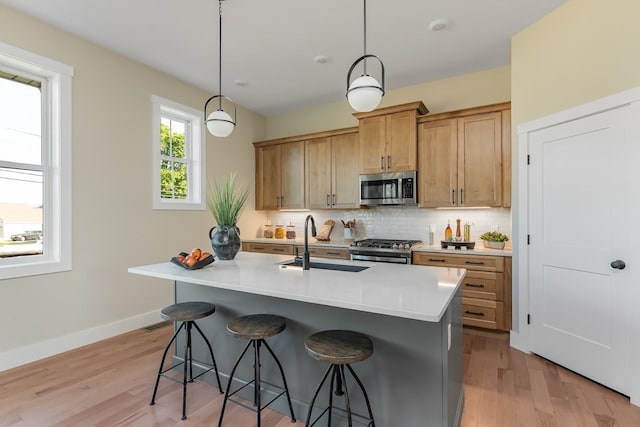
{"x":114,"y":226}
{"x":584,"y":50}
{"x":471,"y":90}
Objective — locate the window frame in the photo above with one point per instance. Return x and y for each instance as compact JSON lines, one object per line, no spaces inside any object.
{"x":195,"y":150}
{"x":56,"y":140}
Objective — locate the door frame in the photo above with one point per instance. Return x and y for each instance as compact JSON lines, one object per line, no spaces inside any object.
{"x":520,"y":337}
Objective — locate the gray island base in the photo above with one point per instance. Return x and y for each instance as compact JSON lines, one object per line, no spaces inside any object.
{"x":414,"y":377}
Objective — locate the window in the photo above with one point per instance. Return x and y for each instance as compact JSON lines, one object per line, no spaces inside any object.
{"x":178,"y":156}
{"x":35,"y":164}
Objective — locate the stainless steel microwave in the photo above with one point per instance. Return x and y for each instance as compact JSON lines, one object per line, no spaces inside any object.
{"x":392,"y":188}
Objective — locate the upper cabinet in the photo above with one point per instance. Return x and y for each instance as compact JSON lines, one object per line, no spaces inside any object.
{"x":280,"y":175}
{"x":332,"y":171}
{"x":388,"y":138}
{"x":313,"y":171}
{"x":465,"y":158}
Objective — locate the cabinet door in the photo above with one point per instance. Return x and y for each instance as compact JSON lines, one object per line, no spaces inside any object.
{"x":506,"y":158}
{"x":372,"y":144}
{"x":344,"y":171}
{"x":437,"y":158}
{"x":292,"y":175}
{"x":480,"y":160}
{"x":401,"y":141}
{"x":268,"y":177}
{"x":318,"y":173}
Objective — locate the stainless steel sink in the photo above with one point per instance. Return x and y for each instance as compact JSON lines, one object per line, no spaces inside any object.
{"x":324,"y":266}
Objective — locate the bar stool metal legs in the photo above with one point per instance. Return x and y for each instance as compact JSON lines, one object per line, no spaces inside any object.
{"x":256,"y":328}
{"x":339,"y":348}
{"x":187,"y":312}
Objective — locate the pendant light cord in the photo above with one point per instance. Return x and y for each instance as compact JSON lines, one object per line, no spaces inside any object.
{"x":220,"y":54}
{"x":365,"y":35}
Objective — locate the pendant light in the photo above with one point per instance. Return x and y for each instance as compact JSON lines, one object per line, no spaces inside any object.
{"x":364,"y":93}
{"x":219,"y":122}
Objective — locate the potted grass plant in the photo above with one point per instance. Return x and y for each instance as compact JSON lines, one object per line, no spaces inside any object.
{"x":494,"y":239}
{"x":225,"y":202}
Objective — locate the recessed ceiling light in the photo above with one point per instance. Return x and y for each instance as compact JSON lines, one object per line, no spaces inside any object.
{"x":321,"y":59}
{"x":439,"y":25}
{"x":241,"y":82}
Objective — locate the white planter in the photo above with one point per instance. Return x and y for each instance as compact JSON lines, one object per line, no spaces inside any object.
{"x":493,"y":245}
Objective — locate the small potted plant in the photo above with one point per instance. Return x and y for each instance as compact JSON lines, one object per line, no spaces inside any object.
{"x":494,"y":239}
{"x":225,"y":202}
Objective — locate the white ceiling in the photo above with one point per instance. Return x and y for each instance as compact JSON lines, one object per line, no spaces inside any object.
{"x":271,"y":44}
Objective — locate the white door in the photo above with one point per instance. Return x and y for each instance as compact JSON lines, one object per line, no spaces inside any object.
{"x":582,"y":197}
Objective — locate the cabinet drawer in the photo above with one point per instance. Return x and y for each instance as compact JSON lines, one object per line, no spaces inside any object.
{"x":483,"y":285}
{"x":268,"y":248}
{"x":484,"y":314}
{"x":336,"y":253}
{"x":470,"y":262}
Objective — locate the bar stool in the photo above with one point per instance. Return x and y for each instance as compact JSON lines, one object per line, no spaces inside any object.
{"x":187,"y":313}
{"x":256,"y":328}
{"x":340,"y":349}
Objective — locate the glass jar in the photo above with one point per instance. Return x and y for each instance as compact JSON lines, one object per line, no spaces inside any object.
{"x":268,"y":231}
{"x":291,"y":231}
{"x":280,"y":233}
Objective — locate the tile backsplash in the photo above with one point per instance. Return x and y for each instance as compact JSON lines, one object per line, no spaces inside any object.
{"x":400,"y":222}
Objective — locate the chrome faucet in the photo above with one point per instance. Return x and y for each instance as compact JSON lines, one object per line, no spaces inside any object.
{"x":305,"y":255}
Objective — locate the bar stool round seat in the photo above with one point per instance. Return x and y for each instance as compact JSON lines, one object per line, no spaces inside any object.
{"x":256,"y":328}
{"x":340,"y":349}
{"x":186,"y":313}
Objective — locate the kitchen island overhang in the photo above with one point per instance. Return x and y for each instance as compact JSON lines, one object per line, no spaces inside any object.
{"x":412,"y":313}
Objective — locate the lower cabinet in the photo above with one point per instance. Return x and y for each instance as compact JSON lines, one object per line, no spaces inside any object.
{"x":486,"y":289}
{"x":289,"y":249}
{"x":268,"y":248}
{"x":335,"y":253}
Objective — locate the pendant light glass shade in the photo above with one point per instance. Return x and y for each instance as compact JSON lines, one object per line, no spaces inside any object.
{"x":220,"y":123}
{"x":365,"y":93}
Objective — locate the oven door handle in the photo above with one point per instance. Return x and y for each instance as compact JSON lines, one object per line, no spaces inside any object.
{"x":395,"y":260}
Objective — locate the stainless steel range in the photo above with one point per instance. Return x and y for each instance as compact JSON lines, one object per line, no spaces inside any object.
{"x":383,"y":250}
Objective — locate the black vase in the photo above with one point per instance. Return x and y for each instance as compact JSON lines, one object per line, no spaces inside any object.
{"x":225,"y":241}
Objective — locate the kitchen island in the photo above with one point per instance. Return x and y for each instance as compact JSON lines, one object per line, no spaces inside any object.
{"x":412,"y":314}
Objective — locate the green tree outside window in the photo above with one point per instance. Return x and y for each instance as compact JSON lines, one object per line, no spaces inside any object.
{"x":173,"y":173}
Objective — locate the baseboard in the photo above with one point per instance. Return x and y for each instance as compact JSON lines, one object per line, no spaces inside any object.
{"x":519,"y":342}
{"x":40,"y":350}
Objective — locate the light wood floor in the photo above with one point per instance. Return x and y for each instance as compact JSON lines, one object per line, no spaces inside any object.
{"x":109,"y":384}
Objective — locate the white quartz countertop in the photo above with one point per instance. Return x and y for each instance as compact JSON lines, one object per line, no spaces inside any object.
{"x":478,"y":249}
{"x":407,"y":291}
{"x":300,"y":241}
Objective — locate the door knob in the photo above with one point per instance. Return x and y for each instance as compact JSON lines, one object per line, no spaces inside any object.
{"x":619,"y":264}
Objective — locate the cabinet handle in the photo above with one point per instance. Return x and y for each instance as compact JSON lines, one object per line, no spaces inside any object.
{"x":462,"y":196}
{"x":453,"y":196}
{"x":388,"y":162}
{"x":328,"y":200}
{"x":437,"y":260}
{"x":382,"y":162}
{"x":474,"y":262}
{"x":281,"y":201}
{"x":474,"y":285}
{"x":334,"y":200}
{"x":278,"y":249}
{"x":474,"y":313}
{"x":333,"y":253}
